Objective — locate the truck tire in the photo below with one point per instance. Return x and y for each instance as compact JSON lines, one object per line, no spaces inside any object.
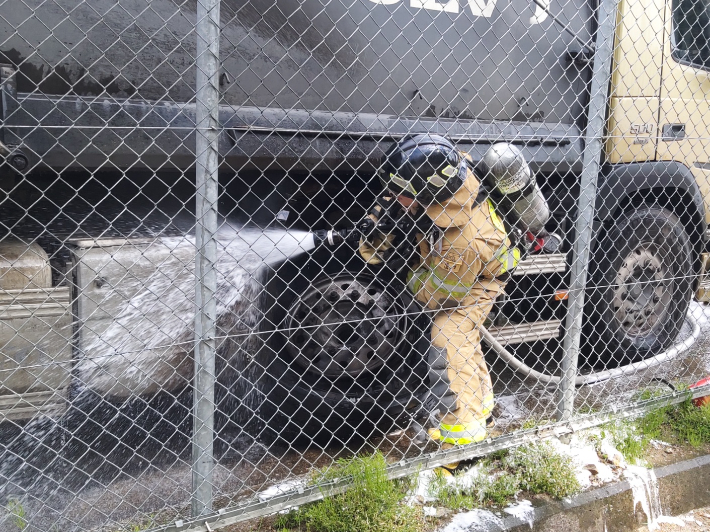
{"x":345,"y":358}
{"x":642,"y":285}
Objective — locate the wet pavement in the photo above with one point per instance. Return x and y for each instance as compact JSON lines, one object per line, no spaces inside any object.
{"x":694,"y":521}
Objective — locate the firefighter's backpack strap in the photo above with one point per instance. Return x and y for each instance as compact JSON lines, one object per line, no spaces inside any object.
{"x":508,"y":256}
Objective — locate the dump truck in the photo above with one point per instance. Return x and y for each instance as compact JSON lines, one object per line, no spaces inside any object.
{"x":98,"y":142}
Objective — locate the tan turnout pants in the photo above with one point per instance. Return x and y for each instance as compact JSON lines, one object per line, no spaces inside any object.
{"x":456,"y":329}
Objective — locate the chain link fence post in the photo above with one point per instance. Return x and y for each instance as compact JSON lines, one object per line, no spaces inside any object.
{"x":591,"y":160}
{"x":207,"y":128}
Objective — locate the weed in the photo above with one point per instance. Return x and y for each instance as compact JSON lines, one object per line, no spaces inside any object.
{"x":17,"y":511}
{"x":533,"y":423}
{"x":655,"y":390}
{"x":630,"y":441}
{"x":498,"y":455}
{"x":501,"y":488}
{"x":461,"y":492}
{"x":371,"y":504}
{"x":140,"y":527}
{"x":652,"y":424}
{"x":453,"y":497}
{"x":146,"y":523}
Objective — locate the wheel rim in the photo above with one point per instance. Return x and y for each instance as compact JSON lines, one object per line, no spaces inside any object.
{"x":344,"y":327}
{"x":643,"y":291}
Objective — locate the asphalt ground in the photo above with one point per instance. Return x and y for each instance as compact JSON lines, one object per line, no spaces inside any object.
{"x":130,"y":486}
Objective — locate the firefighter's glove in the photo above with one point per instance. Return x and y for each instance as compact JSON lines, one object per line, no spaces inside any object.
{"x":374,"y":250}
{"x":373,"y":243}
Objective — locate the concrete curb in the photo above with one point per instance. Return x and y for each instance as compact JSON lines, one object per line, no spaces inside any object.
{"x":682,"y":487}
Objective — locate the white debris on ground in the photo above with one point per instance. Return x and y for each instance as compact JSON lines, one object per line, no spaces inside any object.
{"x":595,"y":459}
{"x":591,"y":469}
{"x":424,"y":485}
{"x":509,"y":408}
{"x":474,"y":520}
{"x":523,"y":510}
{"x":644,"y":488}
{"x":612,"y":454}
{"x":421,"y":492}
{"x":668,"y":519}
{"x":282,"y":488}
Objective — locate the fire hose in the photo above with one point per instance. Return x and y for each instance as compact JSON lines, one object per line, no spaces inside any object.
{"x":526,"y":371}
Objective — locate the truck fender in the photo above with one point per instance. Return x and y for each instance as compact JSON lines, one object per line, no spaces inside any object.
{"x":618,"y":182}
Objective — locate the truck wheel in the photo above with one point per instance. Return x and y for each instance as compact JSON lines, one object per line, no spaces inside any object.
{"x":346,"y":358}
{"x":643,"y":279}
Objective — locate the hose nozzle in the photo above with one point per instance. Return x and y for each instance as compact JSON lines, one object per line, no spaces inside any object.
{"x":331,"y":237}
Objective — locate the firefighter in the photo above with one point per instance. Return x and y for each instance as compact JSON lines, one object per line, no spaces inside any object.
{"x":462,"y":266}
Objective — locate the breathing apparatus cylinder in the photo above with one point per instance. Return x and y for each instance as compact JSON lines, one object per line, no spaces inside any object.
{"x":513,"y":188}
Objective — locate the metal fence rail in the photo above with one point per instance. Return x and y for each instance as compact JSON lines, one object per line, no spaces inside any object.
{"x":241,"y":240}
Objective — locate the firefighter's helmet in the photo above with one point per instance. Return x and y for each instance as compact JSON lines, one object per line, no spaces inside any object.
{"x":426,"y":168}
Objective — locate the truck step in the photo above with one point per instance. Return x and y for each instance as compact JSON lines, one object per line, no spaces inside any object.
{"x":35,"y":339}
{"x":526,"y":332}
{"x":29,"y":404}
{"x":537,"y":264}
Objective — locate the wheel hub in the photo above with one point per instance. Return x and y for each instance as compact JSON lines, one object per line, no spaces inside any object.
{"x":642,"y":291}
{"x":344,"y":327}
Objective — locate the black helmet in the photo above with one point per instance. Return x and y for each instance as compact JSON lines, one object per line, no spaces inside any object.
{"x":426,"y":168}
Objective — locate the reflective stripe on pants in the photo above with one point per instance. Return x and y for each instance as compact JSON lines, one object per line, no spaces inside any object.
{"x":462,"y":434}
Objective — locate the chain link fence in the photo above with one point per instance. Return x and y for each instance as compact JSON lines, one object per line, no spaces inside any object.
{"x":232,"y":253}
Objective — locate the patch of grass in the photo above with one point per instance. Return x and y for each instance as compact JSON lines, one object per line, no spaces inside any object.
{"x":652,"y":424}
{"x":678,"y":424}
{"x":501,"y":488}
{"x":587,"y":409}
{"x":17,"y":511}
{"x":142,"y":526}
{"x":487,"y":487}
{"x":533,"y":423}
{"x":498,"y":455}
{"x":537,"y":468}
{"x":453,"y":496}
{"x":372,"y":504}
{"x":541,"y":469}
{"x":145,"y":524}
